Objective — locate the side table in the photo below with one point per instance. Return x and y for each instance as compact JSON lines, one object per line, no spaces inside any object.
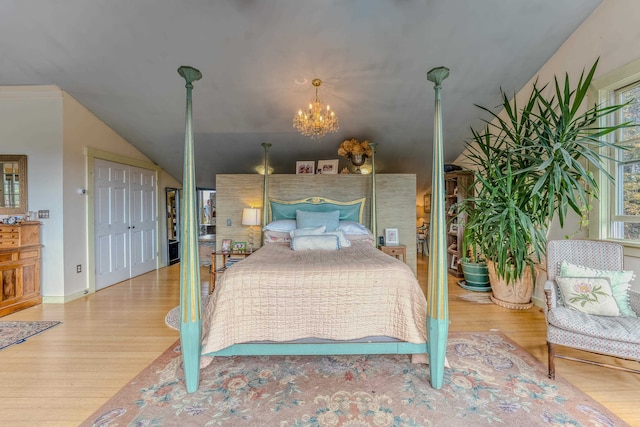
{"x":215,"y":271}
{"x":396,"y":251}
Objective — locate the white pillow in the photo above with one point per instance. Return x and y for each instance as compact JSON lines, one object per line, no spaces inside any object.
{"x":591,"y":295}
{"x":307,"y":231}
{"x":315,"y":242}
{"x":344,"y":242}
{"x":352,"y":227}
{"x":285,"y":225}
{"x":276,"y":237}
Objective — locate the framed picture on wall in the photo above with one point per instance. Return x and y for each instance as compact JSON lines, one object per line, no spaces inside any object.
{"x":328,"y":166}
{"x":427,"y":202}
{"x":391,"y":236}
{"x":305,"y":167}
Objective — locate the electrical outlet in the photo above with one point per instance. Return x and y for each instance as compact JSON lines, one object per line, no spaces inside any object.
{"x":79,"y":268}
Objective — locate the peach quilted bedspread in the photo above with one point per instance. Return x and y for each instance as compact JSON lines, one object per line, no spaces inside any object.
{"x":277,"y":294}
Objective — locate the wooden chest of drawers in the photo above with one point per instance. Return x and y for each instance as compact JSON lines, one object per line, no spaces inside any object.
{"x":19,"y":266}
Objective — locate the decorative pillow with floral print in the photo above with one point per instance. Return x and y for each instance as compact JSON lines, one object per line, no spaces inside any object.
{"x":619,"y":281}
{"x":591,"y":295}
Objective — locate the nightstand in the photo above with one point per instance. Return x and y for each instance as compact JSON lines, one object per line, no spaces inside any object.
{"x":396,"y":251}
{"x":225,"y":257}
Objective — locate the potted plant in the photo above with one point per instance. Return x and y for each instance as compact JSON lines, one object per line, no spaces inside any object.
{"x":472,"y":261}
{"x":532,"y":164}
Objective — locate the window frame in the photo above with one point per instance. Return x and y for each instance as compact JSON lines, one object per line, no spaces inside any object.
{"x":603,"y":213}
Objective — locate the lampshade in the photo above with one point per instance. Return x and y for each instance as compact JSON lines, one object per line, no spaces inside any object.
{"x":251,"y":216}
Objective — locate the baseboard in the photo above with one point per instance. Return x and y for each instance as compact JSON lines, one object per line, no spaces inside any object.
{"x":64,"y":299}
{"x":538,"y":302}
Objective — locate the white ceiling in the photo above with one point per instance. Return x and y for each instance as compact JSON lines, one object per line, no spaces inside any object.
{"x":119,"y":58}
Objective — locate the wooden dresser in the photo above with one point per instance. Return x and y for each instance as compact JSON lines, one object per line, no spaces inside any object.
{"x":19,"y":266}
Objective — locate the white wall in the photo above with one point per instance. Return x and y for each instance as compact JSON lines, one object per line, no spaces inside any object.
{"x":53,"y":129}
{"x":31,"y":124}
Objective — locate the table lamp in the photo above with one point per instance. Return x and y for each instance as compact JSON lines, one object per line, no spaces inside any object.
{"x":251,"y":217}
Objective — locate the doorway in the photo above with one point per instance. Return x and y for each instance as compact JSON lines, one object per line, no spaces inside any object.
{"x":173,"y":224}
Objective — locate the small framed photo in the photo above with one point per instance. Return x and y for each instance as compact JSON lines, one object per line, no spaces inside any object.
{"x":454,"y":262}
{"x":328,"y":166}
{"x":226,"y":245}
{"x":239,"y":247}
{"x":305,"y":167}
{"x":453,"y":228}
{"x":391,"y":236}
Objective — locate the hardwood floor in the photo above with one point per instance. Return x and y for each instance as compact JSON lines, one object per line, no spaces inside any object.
{"x":60,"y":377}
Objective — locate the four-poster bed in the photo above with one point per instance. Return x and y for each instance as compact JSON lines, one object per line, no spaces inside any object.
{"x":253,"y":292}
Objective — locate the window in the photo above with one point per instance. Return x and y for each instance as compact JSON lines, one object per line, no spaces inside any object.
{"x":625,"y":217}
{"x":617,"y":213}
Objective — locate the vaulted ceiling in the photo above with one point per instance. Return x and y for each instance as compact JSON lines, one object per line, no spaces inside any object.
{"x":119,"y":58}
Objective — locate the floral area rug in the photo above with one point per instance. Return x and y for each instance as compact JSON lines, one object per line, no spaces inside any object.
{"x":17,"y":332}
{"x":491,"y":381}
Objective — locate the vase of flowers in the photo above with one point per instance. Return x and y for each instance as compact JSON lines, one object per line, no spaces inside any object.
{"x":356,"y":151}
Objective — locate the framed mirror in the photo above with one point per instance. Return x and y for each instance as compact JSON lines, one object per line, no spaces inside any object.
{"x":13,"y":192}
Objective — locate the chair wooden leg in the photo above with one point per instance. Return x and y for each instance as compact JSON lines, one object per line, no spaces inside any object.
{"x":552,"y":366}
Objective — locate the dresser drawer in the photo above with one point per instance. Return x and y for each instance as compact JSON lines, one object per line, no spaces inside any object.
{"x":9,"y":234}
{"x":8,"y":256}
{"x":9,"y":243}
{"x":30,"y":254}
{"x":394,"y":251}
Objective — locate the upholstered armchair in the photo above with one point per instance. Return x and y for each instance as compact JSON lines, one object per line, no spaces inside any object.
{"x":613,"y":335}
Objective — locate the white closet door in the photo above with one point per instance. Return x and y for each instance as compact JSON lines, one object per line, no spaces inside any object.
{"x":125,"y":222}
{"x":111,"y":213}
{"x":143,"y":220}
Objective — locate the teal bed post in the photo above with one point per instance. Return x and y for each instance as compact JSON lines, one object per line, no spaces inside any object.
{"x":265,"y":190}
{"x":438,"y":279}
{"x":190,"y":315}
{"x":374,"y":209}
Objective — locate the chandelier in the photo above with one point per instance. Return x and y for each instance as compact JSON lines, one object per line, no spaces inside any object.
{"x":318,"y":120}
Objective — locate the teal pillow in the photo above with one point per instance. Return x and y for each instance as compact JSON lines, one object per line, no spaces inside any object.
{"x":308,"y":219}
{"x":619,"y":282}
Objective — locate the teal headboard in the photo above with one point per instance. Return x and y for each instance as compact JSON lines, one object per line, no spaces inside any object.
{"x":349,"y":211}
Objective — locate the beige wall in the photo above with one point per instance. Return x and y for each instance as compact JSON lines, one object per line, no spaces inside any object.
{"x":395,"y":200}
{"x":84,"y":130}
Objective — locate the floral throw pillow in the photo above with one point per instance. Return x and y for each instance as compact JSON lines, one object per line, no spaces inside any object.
{"x":591,"y":295}
{"x":619,"y":281}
